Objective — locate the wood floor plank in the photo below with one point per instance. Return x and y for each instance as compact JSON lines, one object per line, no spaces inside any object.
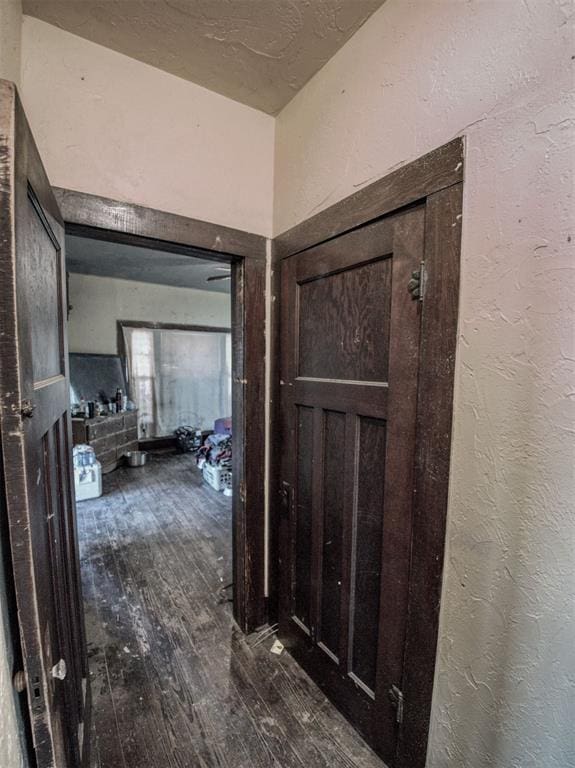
{"x":127,"y":672}
{"x":106,"y":743}
{"x":176,"y":684}
{"x":241,"y":695}
{"x":176,"y":604}
{"x":155,"y":616}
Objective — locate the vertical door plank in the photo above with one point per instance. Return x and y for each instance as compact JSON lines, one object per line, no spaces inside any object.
{"x":348,"y":535}
{"x":437,"y":365}
{"x":399,"y":470}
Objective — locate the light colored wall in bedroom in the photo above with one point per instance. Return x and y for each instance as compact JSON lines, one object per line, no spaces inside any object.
{"x":498,"y":72}
{"x":109,"y":125}
{"x":99,"y":302}
{"x":11,"y":754}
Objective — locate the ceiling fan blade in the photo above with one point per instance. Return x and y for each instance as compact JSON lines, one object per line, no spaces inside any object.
{"x":217,"y":277}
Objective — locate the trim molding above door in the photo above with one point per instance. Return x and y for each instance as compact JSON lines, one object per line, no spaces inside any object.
{"x":412,"y":182}
{"x":436,"y":181}
{"x":126,"y":220}
{"x":105,"y":219}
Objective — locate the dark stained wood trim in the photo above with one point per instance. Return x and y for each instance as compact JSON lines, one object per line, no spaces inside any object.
{"x":436,"y":180}
{"x":438,"y":169}
{"x":9,"y":105}
{"x":249,"y":389}
{"x":101,"y":218}
{"x":112,"y":236}
{"x":433,"y":450}
{"x":275,"y":447}
{"x":239,"y":448}
{"x":84,"y":210}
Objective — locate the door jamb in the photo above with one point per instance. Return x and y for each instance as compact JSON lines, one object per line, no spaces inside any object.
{"x":436,"y":179}
{"x":105,"y":219}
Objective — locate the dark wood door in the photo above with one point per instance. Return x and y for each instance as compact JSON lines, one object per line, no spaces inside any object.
{"x":36,"y":447}
{"x":350,"y":357}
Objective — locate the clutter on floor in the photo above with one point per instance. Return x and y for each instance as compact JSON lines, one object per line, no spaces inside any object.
{"x":213,"y":452}
{"x":136,"y":458}
{"x":277,"y":648}
{"x":223,"y":426}
{"x":87,"y":473}
{"x":188,"y":439}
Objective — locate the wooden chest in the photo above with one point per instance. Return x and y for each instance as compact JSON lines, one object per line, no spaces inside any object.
{"x":110,"y":436}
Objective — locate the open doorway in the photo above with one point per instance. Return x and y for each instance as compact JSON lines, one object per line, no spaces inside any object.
{"x":149,"y":343}
{"x":150,"y":358}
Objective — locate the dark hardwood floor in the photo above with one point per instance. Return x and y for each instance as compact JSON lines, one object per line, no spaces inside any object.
{"x":175,"y":684}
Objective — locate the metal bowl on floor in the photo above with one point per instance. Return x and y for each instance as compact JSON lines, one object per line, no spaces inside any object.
{"x":136,"y":458}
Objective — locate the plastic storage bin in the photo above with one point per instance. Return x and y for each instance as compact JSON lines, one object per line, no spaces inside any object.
{"x":87,"y":473}
{"x":219,"y":478}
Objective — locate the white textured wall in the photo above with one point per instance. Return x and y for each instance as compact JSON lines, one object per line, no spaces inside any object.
{"x":10,"y":749}
{"x":10,"y":26}
{"x":99,"y":302}
{"x":109,"y":125}
{"x":418,"y":73}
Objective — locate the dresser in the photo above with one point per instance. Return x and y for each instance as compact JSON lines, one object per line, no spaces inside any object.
{"x":110,"y":436}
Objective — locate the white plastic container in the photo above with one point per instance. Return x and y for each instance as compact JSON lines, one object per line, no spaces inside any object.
{"x":87,"y":473}
{"x":219,"y":478}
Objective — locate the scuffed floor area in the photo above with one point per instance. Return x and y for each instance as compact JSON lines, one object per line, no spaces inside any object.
{"x":175,"y":684}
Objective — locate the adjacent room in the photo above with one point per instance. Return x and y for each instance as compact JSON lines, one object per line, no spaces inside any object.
{"x":149,"y":349}
{"x":149,"y":343}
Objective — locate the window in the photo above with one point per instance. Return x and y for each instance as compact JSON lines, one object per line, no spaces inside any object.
{"x":178,"y":377}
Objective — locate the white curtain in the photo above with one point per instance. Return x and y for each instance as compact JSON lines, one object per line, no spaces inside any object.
{"x":178,"y":378}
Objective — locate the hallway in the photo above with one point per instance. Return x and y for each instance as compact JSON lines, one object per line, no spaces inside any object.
{"x":174,"y":682}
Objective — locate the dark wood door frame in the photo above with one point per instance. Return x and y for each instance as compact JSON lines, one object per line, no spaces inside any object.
{"x":435,"y":180}
{"x":105,"y":219}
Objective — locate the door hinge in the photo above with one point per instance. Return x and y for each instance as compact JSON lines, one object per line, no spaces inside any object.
{"x":416,"y":286}
{"x":20,"y":681}
{"x":396,"y":698}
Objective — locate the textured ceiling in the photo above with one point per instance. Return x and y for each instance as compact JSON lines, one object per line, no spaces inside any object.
{"x":86,"y":256}
{"x":258,"y":52}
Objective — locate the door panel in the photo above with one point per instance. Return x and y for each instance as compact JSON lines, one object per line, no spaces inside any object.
{"x":350,"y":352}
{"x":36,"y":448}
{"x":40,"y":272}
{"x":302,"y":527}
{"x":350,"y":331}
{"x":332,"y":533}
{"x":366,"y":553}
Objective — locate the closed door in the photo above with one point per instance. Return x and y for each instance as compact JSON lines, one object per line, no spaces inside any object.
{"x":350,"y":340}
{"x":36,"y":449}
